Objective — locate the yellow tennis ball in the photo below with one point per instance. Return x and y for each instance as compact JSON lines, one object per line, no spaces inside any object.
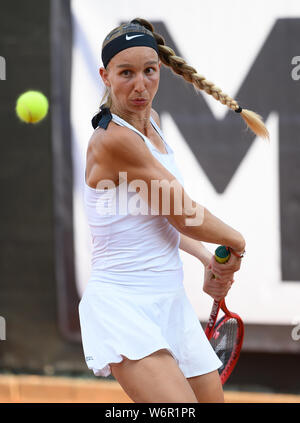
{"x":32,"y":106}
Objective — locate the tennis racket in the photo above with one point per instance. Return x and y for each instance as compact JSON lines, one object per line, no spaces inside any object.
{"x":225,"y":335}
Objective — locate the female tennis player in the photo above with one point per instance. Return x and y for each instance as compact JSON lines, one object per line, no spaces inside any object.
{"x":136,"y":320}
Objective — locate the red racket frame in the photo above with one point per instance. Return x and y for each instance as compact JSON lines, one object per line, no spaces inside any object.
{"x":212,"y":328}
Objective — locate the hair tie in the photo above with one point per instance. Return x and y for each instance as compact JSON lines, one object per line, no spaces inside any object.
{"x":238,"y":110}
{"x":102,"y":118}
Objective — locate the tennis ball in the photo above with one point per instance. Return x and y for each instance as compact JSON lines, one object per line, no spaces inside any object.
{"x":32,"y":106}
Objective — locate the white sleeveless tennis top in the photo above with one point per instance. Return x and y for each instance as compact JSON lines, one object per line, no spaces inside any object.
{"x":124,"y":242}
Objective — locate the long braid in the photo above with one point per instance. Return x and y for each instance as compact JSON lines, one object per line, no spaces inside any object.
{"x":190,"y":74}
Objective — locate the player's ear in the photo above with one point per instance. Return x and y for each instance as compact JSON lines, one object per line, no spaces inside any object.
{"x":104,"y":75}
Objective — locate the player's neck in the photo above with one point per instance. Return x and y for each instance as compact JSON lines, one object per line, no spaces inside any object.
{"x":139,"y":119}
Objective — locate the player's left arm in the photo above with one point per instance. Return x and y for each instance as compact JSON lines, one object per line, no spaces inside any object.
{"x":195,"y":248}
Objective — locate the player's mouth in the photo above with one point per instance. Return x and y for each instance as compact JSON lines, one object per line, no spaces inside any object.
{"x":139,"y":101}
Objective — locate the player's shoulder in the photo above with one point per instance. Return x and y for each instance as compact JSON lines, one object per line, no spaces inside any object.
{"x":110,"y":135}
{"x":116,"y":141}
{"x":119,"y":140}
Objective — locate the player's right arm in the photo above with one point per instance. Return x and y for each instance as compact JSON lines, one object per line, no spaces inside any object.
{"x":125,"y":151}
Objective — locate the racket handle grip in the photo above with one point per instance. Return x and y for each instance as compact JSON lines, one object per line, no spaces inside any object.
{"x":222,"y":255}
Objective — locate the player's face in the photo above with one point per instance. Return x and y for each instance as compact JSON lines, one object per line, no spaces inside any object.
{"x":133,"y":78}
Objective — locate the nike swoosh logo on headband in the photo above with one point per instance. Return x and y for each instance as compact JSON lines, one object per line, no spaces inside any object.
{"x":133,"y":36}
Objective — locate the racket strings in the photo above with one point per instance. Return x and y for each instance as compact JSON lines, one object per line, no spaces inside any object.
{"x":224,"y":340}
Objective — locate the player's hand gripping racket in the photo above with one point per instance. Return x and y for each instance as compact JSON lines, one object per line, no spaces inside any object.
{"x":227,"y":334}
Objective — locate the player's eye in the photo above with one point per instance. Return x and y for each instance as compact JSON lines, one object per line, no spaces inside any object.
{"x":126,"y":72}
{"x":150,"y":70}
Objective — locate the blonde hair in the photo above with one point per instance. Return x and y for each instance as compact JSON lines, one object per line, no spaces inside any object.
{"x":179,"y":66}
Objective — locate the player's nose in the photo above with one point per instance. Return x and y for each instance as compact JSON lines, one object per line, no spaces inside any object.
{"x":139,"y":85}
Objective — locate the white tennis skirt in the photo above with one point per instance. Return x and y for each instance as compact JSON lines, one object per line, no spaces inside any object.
{"x":134,"y":315}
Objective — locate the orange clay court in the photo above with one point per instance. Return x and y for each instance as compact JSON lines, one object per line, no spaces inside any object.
{"x":47,"y":389}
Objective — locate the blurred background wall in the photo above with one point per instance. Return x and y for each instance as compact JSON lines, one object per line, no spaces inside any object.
{"x":44,"y":244}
